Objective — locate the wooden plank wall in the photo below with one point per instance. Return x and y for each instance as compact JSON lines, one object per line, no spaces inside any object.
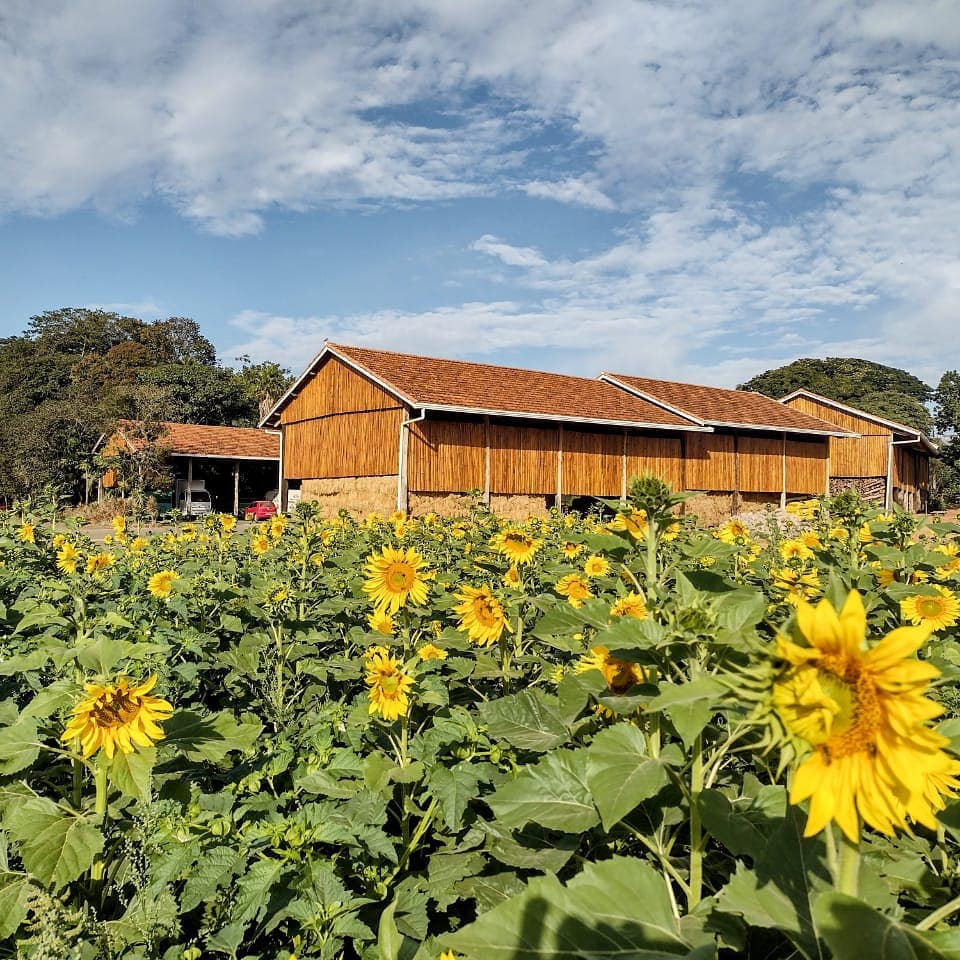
{"x":661,"y":456}
{"x":864,"y":457}
{"x":347,"y":445}
{"x":523,"y":459}
{"x":446,"y":455}
{"x":710,"y":461}
{"x":335,"y":389}
{"x":807,"y":466}
{"x":592,"y":463}
{"x":911,"y":469}
{"x":761,"y":464}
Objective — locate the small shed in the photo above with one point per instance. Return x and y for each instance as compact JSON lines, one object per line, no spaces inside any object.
{"x":232,"y":461}
{"x":887,"y":462}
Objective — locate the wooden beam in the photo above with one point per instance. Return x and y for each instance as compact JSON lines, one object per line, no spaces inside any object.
{"x":560,"y":467}
{"x":623,"y":469}
{"x":486,"y":460}
{"x":736,"y":473}
{"x":236,"y":487}
{"x":783,"y":482}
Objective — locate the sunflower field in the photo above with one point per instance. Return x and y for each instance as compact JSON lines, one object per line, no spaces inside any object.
{"x":406,"y":739}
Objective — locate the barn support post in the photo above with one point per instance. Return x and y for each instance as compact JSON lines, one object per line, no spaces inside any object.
{"x":783,"y":480}
{"x":236,"y":487}
{"x":281,"y":490}
{"x":623,"y":469}
{"x":486,"y":460}
{"x":560,"y":467}
{"x":736,"y":474}
{"x":188,"y":502}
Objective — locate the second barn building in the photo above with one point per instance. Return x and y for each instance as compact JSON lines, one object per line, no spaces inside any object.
{"x":374,"y":431}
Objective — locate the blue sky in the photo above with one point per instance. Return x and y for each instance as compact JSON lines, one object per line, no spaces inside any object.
{"x":688,"y":190}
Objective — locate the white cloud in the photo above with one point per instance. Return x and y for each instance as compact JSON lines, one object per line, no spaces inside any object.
{"x":776,"y":165}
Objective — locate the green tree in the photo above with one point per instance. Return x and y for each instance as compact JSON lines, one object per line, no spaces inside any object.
{"x":887,"y":392}
{"x":263,"y":383}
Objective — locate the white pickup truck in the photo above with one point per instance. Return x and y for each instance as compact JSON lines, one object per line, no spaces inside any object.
{"x":192,"y":499}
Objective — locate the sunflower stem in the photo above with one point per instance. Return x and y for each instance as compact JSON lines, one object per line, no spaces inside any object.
{"x":831,"y":842}
{"x":696,"y":827}
{"x":651,"y":551}
{"x":100,"y":808}
{"x":849,"y":866}
{"x":941,"y":913}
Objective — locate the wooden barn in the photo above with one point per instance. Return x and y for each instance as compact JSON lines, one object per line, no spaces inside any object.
{"x":887,"y":463}
{"x":369,"y":430}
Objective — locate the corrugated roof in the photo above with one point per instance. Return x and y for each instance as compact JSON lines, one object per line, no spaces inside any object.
{"x":462,"y":386}
{"x":198,"y":440}
{"x":899,"y":428}
{"x":720,"y":407}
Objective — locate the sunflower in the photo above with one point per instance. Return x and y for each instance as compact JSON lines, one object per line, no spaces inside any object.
{"x":160,"y":585}
{"x":119,"y":525}
{"x":799,"y":584}
{"x":634,"y":523}
{"x":596,"y":566}
{"x":518,"y":547}
{"x":574,"y":588}
{"x":381,"y":622}
{"x":620,"y":675}
{"x":839,"y":533}
{"x":862,"y":715}
{"x":67,"y":558}
{"x":481,"y":615}
{"x":277,"y":525}
{"x":795,"y":550}
{"x":27,"y":532}
{"x":137,"y":544}
{"x":512,"y":578}
{"x":733,"y":531}
{"x":389,"y":686}
{"x":227,"y":522}
{"x":260,"y":544}
{"x":99,"y":562}
{"x":393,"y":577}
{"x":571,"y":550}
{"x":117,"y":715}
{"x":632,"y":605}
{"x":429,"y":652}
{"x":936,"y":611}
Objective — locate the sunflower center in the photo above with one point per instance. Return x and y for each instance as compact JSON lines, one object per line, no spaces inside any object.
{"x":389,"y":683}
{"x":399,"y":577}
{"x":856,"y":724}
{"x":485,"y":611}
{"x":619,"y":675}
{"x":930,"y":607}
{"x":114,"y":709}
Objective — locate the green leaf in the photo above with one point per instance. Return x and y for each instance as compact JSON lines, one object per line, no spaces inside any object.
{"x":778,"y":892}
{"x":54,"y":846}
{"x":215,"y":868}
{"x":18,"y":746}
{"x":254,"y":890}
{"x":553,"y":793}
{"x":16,"y":894}
{"x":853,"y":930}
{"x":389,"y":938}
{"x":211,"y":737}
{"x":688,"y":705}
{"x":102,"y":655}
{"x":454,"y":788}
{"x":228,"y":940}
{"x":618,"y":908}
{"x":529,"y":720}
{"x":619,"y":772}
{"x":743,"y":828}
{"x":132,"y":773}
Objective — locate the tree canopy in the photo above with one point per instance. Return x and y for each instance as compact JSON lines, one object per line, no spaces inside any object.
{"x":75,"y":371}
{"x":887,"y":392}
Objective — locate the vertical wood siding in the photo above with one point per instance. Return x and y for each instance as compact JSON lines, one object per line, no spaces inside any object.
{"x":344,"y":445}
{"x":911,"y":469}
{"x":523,"y":459}
{"x":661,"y":456}
{"x":807,"y":466}
{"x":711,"y":461}
{"x":592,"y":463}
{"x":446,"y":456}
{"x":761,"y":464}
{"x":335,"y":388}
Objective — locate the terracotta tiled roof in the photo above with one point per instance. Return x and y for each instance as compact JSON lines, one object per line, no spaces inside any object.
{"x":480,"y":387}
{"x":716,"y":406}
{"x":197,"y":440}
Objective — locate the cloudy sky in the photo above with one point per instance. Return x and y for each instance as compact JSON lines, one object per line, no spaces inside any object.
{"x":689,"y":190}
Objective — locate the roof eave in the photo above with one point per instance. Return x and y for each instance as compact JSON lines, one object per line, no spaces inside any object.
{"x":562,"y":418}
{"x":771,"y":428}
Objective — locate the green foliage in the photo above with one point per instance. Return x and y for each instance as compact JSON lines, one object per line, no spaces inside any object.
{"x":589,"y":785}
{"x":75,"y":371}
{"x":888,"y":392}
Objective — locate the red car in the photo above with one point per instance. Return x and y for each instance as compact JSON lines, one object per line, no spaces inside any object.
{"x":260,"y":510}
